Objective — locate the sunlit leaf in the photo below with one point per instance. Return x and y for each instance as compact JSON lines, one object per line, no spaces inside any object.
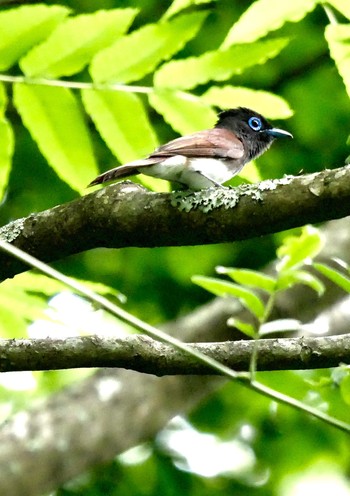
{"x":345,"y":388}
{"x":334,"y":275}
{"x":128,"y":138}
{"x":292,"y":277}
{"x":121,"y":119}
{"x":179,"y":5}
{"x":72,"y":45}
{"x":342,"y":5}
{"x":23,"y":300}
{"x":338,"y":37}
{"x":6,"y":143}
{"x":268,"y":104}
{"x":12,"y":324}
{"x":218,"y":65}
{"x":39,"y":283}
{"x":24,"y":27}
{"x":27,"y":307}
{"x":225,"y":288}
{"x":3,"y":100}
{"x":246,"y":328}
{"x":135,"y":55}
{"x":184,"y":112}
{"x":56,"y":122}
{"x":297,"y":250}
{"x":264,"y":16}
{"x":251,"y":278}
{"x":6,"y":152}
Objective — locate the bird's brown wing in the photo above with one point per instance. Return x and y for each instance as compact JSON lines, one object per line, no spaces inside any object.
{"x":213,"y":143}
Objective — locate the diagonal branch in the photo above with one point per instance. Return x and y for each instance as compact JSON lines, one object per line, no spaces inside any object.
{"x":126,"y":214}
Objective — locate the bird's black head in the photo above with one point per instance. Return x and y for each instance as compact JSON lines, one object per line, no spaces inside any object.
{"x":255,"y":132}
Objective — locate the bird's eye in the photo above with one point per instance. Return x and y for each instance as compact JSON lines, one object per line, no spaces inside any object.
{"x":255,"y":123}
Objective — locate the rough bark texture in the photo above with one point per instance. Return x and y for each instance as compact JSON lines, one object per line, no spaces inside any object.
{"x":127,"y":215}
{"x":143,"y":354}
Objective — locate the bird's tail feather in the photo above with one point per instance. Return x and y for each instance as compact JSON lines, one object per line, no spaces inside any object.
{"x":116,"y":173}
{"x":130,"y":169}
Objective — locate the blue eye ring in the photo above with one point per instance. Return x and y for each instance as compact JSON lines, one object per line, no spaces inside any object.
{"x":255,"y":123}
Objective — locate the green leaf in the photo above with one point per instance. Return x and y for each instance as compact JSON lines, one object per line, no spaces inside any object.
{"x":24,"y":27}
{"x":184,"y":112}
{"x":334,"y":275}
{"x":264,"y":16}
{"x":297,"y":250}
{"x":39,"y":283}
{"x":293,"y":277}
{"x":35,"y":283}
{"x":136,"y":55}
{"x":342,"y":5}
{"x":338,"y":38}
{"x":129,"y":139}
{"x":268,"y":104}
{"x":249,"y":278}
{"x":6,"y":143}
{"x":73,"y":44}
{"x":56,"y":122}
{"x":12,"y":325}
{"x":27,"y":307}
{"x":23,"y":299}
{"x":224,"y":288}
{"x":218,"y":65}
{"x":113,"y":113}
{"x":3,"y":100}
{"x":345,"y":388}
{"x":179,"y":5}
{"x":247,"y":329}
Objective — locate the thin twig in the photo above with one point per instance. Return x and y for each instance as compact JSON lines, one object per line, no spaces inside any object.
{"x":5,"y":78}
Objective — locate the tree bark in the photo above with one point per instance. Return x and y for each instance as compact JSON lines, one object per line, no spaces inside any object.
{"x":125,"y":215}
{"x":144,"y":354}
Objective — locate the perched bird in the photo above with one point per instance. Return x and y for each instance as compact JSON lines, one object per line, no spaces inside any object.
{"x":206,"y":158}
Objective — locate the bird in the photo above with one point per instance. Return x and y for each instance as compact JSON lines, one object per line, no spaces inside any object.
{"x":208,"y":158}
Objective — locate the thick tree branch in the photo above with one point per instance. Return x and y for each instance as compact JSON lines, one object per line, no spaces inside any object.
{"x":125,"y":214}
{"x":143,"y":354}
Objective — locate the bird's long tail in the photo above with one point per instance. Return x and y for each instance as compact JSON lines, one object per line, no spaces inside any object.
{"x":116,"y":173}
{"x":130,"y":169}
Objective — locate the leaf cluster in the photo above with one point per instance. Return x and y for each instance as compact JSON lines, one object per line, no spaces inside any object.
{"x":98,"y":49}
{"x":295,"y":252}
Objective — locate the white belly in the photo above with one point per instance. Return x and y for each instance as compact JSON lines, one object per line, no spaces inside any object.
{"x":196,"y":173}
